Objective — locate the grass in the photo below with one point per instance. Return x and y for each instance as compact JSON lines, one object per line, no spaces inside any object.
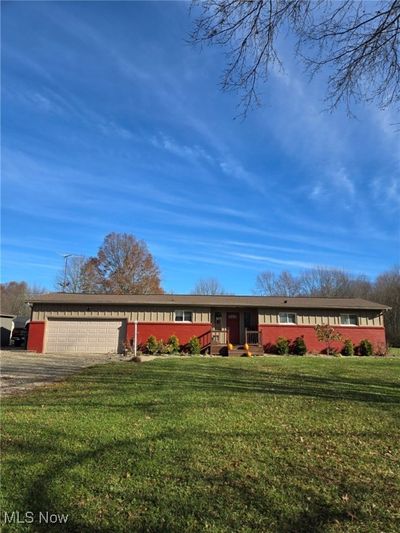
{"x":394,"y":351}
{"x":209,"y":444}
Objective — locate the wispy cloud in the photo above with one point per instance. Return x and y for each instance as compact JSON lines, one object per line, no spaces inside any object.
{"x":190,"y":153}
{"x":265,"y":259}
{"x":234,"y":169}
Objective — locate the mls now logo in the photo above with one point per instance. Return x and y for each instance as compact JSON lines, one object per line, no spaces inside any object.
{"x":29,"y":517}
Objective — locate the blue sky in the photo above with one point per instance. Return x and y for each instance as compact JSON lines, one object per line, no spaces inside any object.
{"x":112,"y":122}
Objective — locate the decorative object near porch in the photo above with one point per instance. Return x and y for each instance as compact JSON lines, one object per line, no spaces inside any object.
{"x":230,"y":346}
{"x":246,"y":347}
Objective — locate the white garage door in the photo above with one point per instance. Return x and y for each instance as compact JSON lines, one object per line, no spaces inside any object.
{"x":87,"y":336}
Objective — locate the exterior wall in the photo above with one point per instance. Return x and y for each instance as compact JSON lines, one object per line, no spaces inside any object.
{"x":184,"y":331}
{"x":131,"y":313}
{"x":312,"y":317}
{"x":36,"y":336}
{"x":6,"y":326}
{"x":355,"y":333}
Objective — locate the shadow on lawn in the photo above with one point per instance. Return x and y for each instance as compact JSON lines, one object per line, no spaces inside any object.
{"x":119,"y":386}
{"x":215,"y":503}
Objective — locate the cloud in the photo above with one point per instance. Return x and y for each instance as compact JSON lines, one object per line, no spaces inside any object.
{"x":190,"y":153}
{"x":342,"y":181}
{"x":335,"y":182}
{"x":273,"y":260}
{"x":386,"y":191}
{"x":233,"y":169}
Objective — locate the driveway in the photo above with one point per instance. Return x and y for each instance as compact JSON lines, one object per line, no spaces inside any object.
{"x":21,"y":370}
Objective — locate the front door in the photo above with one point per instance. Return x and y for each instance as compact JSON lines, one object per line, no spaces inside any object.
{"x":232,"y":322}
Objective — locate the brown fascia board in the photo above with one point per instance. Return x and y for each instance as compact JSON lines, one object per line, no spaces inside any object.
{"x":206,"y":300}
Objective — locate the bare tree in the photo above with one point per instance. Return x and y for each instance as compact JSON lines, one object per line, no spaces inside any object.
{"x":387,"y":291}
{"x":13,"y":296}
{"x":319,"y":281}
{"x":123,"y":265}
{"x":74,"y":277}
{"x":326,"y":282}
{"x":284,"y":284}
{"x":357,"y":42}
{"x":208,"y":286}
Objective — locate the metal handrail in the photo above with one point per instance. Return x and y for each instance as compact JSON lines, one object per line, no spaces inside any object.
{"x":253,"y":337}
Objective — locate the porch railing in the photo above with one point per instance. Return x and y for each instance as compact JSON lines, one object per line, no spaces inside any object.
{"x":253,"y":337}
{"x":220,"y":336}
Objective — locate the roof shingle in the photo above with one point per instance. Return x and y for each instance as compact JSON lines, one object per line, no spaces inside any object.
{"x":201,"y":300}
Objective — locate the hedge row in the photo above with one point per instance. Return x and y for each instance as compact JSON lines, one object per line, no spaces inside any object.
{"x":284,"y":346}
{"x":171,"y":346}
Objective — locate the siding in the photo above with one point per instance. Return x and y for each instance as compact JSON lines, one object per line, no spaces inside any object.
{"x":311,"y":317}
{"x":131,"y":313}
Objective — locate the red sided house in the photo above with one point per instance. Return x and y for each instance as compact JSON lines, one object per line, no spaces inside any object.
{"x":102,"y":323}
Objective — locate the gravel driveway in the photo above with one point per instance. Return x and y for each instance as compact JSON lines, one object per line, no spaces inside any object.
{"x":21,"y":370}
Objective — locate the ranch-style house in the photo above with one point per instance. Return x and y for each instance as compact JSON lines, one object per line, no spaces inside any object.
{"x":102,"y":323}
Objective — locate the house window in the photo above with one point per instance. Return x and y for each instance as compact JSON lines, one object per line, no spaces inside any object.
{"x":349,"y":320}
{"x":287,"y":318}
{"x":183,"y":316}
{"x":218,"y":320}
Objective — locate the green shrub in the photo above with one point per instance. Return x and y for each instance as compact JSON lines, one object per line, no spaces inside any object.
{"x":348,"y":348}
{"x":152,"y":345}
{"x":173,"y":345}
{"x":162,"y":348}
{"x":193,"y":346}
{"x":299,"y":346}
{"x":365,"y":348}
{"x":282,"y":346}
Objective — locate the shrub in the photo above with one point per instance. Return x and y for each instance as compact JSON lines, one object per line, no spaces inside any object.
{"x":365,"y":348}
{"x":194,"y":346}
{"x":282,"y":346}
{"x":381,"y":350}
{"x":299,"y":346}
{"x":348,"y":348}
{"x":173,"y":345}
{"x":162,"y":348}
{"x":152,"y":345}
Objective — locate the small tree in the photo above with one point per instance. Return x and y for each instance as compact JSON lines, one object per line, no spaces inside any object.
{"x":365,"y":348}
{"x":327,"y":334}
{"x":299,"y":346}
{"x":194,"y":346}
{"x":282,"y":346}
{"x":348,"y":348}
{"x":173,"y":344}
{"x":152,"y":345}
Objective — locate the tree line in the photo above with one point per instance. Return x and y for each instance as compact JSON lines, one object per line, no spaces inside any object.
{"x":327,"y":283}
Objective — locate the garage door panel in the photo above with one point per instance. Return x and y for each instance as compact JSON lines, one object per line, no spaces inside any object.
{"x":95,"y":336}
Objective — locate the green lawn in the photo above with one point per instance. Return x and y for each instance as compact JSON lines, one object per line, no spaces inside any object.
{"x":210,"y":444}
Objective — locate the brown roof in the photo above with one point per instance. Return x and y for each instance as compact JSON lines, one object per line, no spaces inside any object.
{"x":200,"y":300}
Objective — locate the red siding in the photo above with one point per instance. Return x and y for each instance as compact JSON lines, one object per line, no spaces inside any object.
{"x":36,"y":337}
{"x":165,"y":329}
{"x":356,"y":334}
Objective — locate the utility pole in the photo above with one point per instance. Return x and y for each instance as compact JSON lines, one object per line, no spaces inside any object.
{"x":65,"y":270}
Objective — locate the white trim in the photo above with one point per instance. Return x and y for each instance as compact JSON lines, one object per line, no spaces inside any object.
{"x":349,"y":315}
{"x":183,"y":311}
{"x":287,"y":323}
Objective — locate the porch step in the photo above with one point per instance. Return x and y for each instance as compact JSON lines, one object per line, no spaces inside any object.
{"x":238,"y":351}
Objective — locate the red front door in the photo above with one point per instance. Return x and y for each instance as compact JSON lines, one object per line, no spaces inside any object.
{"x":232,"y":322}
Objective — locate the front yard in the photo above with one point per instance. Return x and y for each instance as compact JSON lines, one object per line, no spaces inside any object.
{"x":280,"y":444}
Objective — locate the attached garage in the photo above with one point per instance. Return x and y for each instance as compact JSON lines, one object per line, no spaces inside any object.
{"x":84,"y":336}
